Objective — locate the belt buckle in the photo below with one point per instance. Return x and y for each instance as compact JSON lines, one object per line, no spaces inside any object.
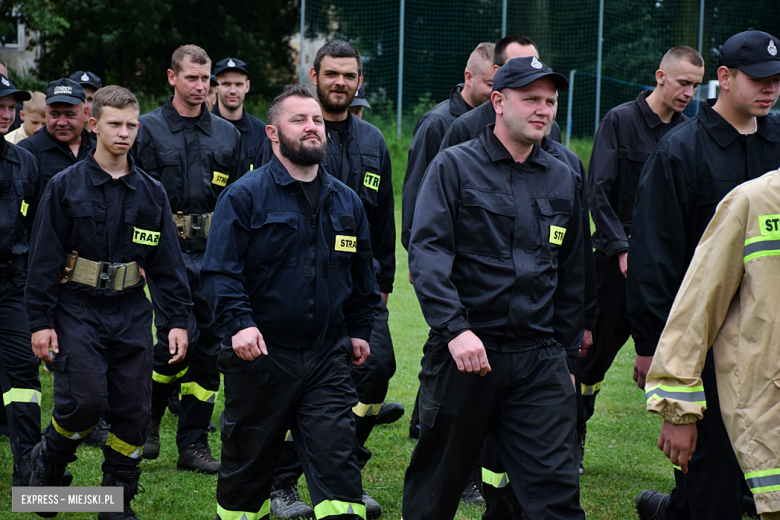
{"x":107,"y":273}
{"x":196,"y":226}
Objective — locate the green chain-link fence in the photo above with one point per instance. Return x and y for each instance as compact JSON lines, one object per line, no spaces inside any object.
{"x":438,"y":36}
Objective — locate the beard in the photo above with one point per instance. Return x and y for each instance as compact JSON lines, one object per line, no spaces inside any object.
{"x":330,"y":106}
{"x":299,"y":153}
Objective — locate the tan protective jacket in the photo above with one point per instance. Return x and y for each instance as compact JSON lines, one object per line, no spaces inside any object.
{"x":730,"y":301}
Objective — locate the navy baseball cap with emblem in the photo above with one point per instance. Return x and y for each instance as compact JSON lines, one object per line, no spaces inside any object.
{"x":87,"y":79}
{"x":360,"y":98}
{"x":755,"y":53}
{"x":230,"y":64}
{"x":519,"y":72}
{"x":64,"y":91}
{"x":7,"y":89}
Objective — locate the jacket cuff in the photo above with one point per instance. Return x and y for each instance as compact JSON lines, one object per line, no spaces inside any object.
{"x":385,"y":286}
{"x":40,"y":324}
{"x":618,"y":246}
{"x":645,"y":347}
{"x":675,"y":417}
{"x":177,"y":322}
{"x":363,"y":333}
{"x":455,"y":328}
{"x":234,"y":324}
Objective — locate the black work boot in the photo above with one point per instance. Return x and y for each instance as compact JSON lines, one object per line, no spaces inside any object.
{"x":197,"y":457}
{"x":128,"y":479}
{"x":152,"y":445}
{"x":286,"y":503}
{"x":651,"y":505}
{"x":472,"y":493}
{"x":22,"y":472}
{"x":45,"y":472}
{"x":389,"y":413}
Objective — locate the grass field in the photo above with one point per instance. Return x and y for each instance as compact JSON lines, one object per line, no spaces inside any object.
{"x":621,"y":457}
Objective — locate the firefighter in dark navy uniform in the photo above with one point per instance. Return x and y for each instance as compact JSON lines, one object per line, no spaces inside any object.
{"x":102,"y":228}
{"x":496,"y":257}
{"x":19,"y":382}
{"x":286,"y":229}
{"x":195,"y":155}
{"x":357,"y":155}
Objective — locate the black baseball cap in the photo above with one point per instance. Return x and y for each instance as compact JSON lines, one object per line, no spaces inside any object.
{"x":64,"y":91}
{"x":230,"y":64}
{"x":7,"y":89}
{"x":753,"y":52}
{"x":360,"y":98}
{"x":519,"y":72}
{"x":87,"y":79}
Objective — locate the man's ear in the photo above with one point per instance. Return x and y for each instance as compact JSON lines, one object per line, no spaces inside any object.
{"x":724,"y":78}
{"x":171,"y":78}
{"x":313,"y":76}
{"x":497,"y":98}
{"x":660,"y":77}
{"x":271,"y":133}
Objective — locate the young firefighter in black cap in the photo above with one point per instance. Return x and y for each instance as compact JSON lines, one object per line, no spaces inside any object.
{"x":232,"y":86}
{"x":90,"y":82}
{"x":18,"y":367}
{"x":103,"y":226}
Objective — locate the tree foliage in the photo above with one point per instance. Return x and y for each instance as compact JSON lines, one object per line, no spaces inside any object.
{"x":36,"y":15}
{"x":130,"y":42}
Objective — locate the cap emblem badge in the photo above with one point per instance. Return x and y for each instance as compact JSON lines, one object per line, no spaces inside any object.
{"x":772,"y":48}
{"x":63,"y":90}
{"x":231,"y":63}
{"x":6,"y":82}
{"x":84,"y":77}
{"x":536,"y":63}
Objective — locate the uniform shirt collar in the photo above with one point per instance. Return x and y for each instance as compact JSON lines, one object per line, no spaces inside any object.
{"x":651,"y":118}
{"x":283,"y":178}
{"x":458,"y":105}
{"x":99,"y":176}
{"x":52,"y":142}
{"x":176,"y":123}
{"x":498,"y":152}
{"x":242,"y":124}
{"x":721,"y":130}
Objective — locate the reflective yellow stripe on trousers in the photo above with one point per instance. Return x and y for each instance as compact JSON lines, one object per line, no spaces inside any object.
{"x":366,"y":410}
{"x":74,"y":436}
{"x":224,"y":514}
{"x":22,"y":395}
{"x":337,"y":507}
{"x":497,"y":480}
{"x":156,"y":376}
{"x":120,"y":446}
{"x":200,"y":393}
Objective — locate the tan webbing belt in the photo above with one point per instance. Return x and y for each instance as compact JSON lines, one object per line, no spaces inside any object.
{"x":193,"y":226}
{"x":101,"y":275}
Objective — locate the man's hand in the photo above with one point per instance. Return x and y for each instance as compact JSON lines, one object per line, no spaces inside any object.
{"x":248,"y":344}
{"x":623,"y":263}
{"x":641,"y":366}
{"x":41,"y":341}
{"x":177,"y":345}
{"x":360,"y":351}
{"x":587,"y":342}
{"x":469,"y":353}
{"x":678,"y":442}
{"x":385,"y":296}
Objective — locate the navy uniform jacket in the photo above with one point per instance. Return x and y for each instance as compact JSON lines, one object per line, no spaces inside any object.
{"x":470,"y":125}
{"x":302,"y":277}
{"x":497,"y":247}
{"x":688,"y":174}
{"x":428,"y":135}
{"x":252,"y":136}
{"x":571,"y":160}
{"x":83,"y":209}
{"x":18,"y":180}
{"x":625,"y":139}
{"x":363,"y":164}
{"x":53,"y":156}
{"x":193,"y":162}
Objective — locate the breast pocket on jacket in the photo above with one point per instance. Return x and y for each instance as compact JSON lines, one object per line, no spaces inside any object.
{"x":89,"y":219}
{"x":221,"y":170}
{"x":369,"y":180}
{"x":144,"y":226}
{"x":344,"y":246}
{"x":554,"y":218}
{"x":485,"y":224}
{"x":166,"y":167}
{"x":274,"y":239}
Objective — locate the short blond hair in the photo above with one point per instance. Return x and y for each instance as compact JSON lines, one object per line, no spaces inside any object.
{"x":36,"y":104}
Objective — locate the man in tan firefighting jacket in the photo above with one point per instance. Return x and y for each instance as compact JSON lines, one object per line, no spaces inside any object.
{"x":728,"y":301}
